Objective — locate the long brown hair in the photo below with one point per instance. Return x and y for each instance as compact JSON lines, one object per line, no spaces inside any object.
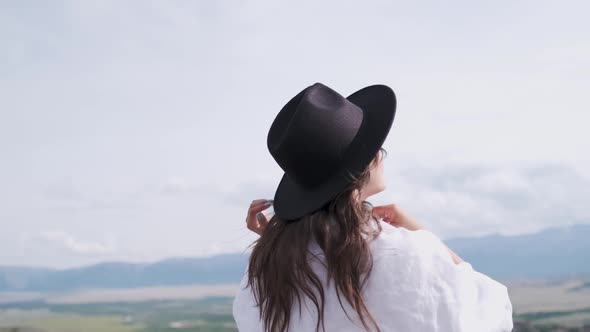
{"x":279,"y":270}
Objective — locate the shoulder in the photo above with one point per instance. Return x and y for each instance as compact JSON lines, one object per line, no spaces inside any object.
{"x":466,"y":297}
{"x":427,"y":252}
{"x":414,"y":257}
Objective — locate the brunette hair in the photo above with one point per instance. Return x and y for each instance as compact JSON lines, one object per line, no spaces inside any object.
{"x":279,"y":270}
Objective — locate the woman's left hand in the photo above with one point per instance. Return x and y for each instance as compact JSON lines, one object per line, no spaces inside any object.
{"x":392,"y":214}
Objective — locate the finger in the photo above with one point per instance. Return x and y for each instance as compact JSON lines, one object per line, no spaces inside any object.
{"x":385,"y":214}
{"x":254,"y":222}
{"x":262,"y":205}
{"x":255,"y":209}
{"x":251,"y":223}
{"x":378,"y":211}
{"x":254,"y":226}
{"x":262,"y":202}
{"x":258,"y":201}
{"x":383,"y":207}
{"x":262,"y":221}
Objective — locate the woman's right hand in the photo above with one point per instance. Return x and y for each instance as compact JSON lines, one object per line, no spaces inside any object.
{"x":255,"y":219}
{"x":393,"y":215}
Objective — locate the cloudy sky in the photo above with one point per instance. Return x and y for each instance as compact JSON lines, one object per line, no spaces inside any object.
{"x":137,"y":130}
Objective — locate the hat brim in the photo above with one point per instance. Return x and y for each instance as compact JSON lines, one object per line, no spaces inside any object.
{"x":378,"y":102}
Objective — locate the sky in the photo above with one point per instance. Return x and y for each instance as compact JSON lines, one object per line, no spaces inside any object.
{"x":136,"y":130}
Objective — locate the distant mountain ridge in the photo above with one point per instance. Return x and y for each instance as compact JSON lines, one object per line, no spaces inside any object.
{"x":554,"y":252}
{"x":221,"y":269}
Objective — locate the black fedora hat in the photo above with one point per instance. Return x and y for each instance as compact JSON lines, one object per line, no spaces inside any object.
{"x":319,"y":136}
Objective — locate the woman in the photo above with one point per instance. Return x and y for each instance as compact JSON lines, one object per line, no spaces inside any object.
{"x":328,"y":260}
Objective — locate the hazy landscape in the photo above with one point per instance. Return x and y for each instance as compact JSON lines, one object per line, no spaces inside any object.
{"x":135,"y":137}
{"x":538,"y":306}
{"x":548,"y":281}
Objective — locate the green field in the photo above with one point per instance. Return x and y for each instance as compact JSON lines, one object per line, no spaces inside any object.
{"x":211,"y":314}
{"x":566,"y":311}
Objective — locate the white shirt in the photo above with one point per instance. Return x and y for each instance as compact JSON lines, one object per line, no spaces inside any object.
{"x":414,"y":286}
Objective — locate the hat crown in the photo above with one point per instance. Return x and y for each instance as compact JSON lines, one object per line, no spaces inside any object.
{"x":312,"y":132}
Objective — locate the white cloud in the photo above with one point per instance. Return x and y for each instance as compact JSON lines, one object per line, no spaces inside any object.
{"x":68,"y":242}
{"x":473,"y":200}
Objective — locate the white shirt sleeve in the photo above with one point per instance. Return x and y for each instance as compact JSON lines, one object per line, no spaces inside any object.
{"x":468,"y":300}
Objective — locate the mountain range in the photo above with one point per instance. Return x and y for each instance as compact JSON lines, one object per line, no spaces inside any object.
{"x":553,"y":252}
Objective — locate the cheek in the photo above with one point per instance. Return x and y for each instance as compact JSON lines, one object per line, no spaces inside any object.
{"x":377,"y":177}
{"x":382,"y":180}
{"x":380,"y":175}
